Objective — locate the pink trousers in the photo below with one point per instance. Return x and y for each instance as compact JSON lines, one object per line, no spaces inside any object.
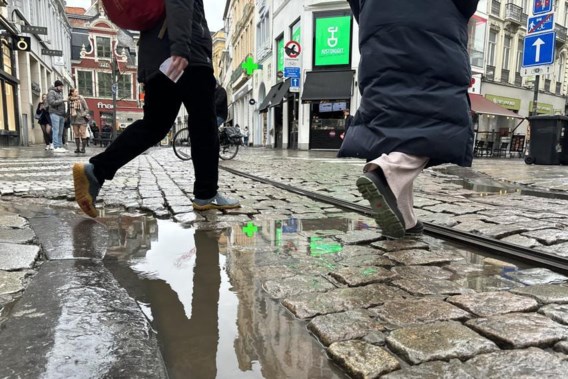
{"x":401,"y":170}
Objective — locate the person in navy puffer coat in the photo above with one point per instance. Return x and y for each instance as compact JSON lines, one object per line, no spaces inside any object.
{"x":413,"y":77}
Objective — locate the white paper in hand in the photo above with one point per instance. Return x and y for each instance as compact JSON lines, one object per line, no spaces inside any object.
{"x":164,"y":67}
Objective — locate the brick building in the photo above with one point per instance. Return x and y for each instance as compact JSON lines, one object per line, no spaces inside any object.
{"x":95,"y":44}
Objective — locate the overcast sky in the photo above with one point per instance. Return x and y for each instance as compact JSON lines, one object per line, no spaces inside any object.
{"x":213,"y":9}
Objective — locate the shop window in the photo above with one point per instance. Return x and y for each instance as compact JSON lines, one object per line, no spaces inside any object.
{"x":280,"y":55}
{"x":103,"y":47}
{"x":104,"y":84}
{"x":2,"y":124}
{"x":85,"y":83}
{"x":7,"y":58}
{"x":11,"y":106}
{"x":125,"y":86}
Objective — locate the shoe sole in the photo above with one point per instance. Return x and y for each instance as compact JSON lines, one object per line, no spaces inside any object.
{"x":384,"y":215}
{"x":213,"y":206}
{"x":82,"y":196}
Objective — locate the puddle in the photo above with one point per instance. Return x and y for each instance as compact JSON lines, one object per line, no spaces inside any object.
{"x":212,"y":318}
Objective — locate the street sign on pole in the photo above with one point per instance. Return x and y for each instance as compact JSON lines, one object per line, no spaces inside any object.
{"x":539,"y":24}
{"x":536,"y":70}
{"x":539,"y":49}
{"x":542,"y":6}
{"x":293,"y":49}
{"x":292,"y":65}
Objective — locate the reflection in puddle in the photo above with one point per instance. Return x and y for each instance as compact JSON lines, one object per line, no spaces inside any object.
{"x":200,"y":290}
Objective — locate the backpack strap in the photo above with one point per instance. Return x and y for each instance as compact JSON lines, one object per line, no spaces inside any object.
{"x":163,"y":30}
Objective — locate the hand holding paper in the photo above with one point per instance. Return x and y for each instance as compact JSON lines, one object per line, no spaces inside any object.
{"x":174,"y":67}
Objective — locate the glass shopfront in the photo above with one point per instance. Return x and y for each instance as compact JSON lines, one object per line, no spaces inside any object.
{"x":8,"y":102}
{"x":327,"y":124}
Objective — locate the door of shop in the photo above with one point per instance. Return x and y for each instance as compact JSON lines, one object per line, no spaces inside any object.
{"x":278,"y":126}
{"x":293,"y":106}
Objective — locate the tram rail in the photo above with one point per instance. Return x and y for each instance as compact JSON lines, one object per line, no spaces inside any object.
{"x":484,"y":244}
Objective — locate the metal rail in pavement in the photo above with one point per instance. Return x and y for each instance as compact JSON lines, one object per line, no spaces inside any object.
{"x":481,"y":243}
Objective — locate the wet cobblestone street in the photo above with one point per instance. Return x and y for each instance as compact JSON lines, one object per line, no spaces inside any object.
{"x":297,"y":288}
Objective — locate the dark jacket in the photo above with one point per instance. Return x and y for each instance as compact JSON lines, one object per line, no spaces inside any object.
{"x":56,"y":102}
{"x":43,"y":114}
{"x":413,"y":77}
{"x":221,"y":107}
{"x":187,"y":35}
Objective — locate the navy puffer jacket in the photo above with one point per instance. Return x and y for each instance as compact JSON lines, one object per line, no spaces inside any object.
{"x":413,"y":77}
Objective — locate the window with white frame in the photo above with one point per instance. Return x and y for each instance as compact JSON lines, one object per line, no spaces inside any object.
{"x":85,"y":83}
{"x":103,"y":47}
{"x":520,"y":47}
{"x":492,"y":47}
{"x":561,"y":67}
{"x":104,"y":80}
{"x":507,"y":52}
{"x":125,"y":86}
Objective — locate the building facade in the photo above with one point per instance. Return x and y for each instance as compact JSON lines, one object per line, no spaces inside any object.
{"x":98,"y":46}
{"x":241,"y":34}
{"x":502,"y":82}
{"x":219,"y":43}
{"x":32,"y":59}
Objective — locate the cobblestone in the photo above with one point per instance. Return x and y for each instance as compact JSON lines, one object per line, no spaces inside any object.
{"x":424,"y":257}
{"x":534,"y":276}
{"x":520,"y":330}
{"x":429,"y":286}
{"x":557,"y":312}
{"x":432,"y":370}
{"x":400,"y":313}
{"x":357,"y":276}
{"x":363,"y":360}
{"x":438,"y":341}
{"x":344,"y":326}
{"x":493,"y":303}
{"x":545,"y":293}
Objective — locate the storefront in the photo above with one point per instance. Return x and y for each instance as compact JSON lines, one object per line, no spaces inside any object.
{"x":9,"y":122}
{"x":274,"y":101}
{"x":328,"y":88}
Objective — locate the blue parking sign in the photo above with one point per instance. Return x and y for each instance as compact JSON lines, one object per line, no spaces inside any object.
{"x":539,"y":49}
{"x":542,"y":6}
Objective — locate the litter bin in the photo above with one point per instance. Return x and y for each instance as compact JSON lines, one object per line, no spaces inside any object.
{"x":548,"y":140}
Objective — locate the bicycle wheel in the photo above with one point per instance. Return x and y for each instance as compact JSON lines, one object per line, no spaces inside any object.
{"x":182,"y":144}
{"x":228,"y":151}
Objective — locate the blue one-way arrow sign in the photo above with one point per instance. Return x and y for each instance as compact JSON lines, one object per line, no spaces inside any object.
{"x":539,"y":24}
{"x":542,"y":6}
{"x":539,"y":49}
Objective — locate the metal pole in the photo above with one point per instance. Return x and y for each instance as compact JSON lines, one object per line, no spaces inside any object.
{"x":535,"y":99}
{"x":114,"y":87}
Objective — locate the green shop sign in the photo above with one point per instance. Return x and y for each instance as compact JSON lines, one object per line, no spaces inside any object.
{"x":541,"y":108}
{"x":505,"y":102}
{"x":280,"y":53}
{"x":333,"y":41}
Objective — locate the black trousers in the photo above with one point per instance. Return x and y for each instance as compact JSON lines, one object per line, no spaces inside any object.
{"x":163,"y":99}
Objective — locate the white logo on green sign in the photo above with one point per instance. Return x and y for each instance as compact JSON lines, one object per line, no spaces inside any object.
{"x":333,"y":41}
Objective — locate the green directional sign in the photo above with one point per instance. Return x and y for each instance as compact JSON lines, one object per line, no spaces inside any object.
{"x":333,"y":41}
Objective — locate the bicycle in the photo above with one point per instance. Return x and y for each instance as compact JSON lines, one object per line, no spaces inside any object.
{"x":229,"y":141}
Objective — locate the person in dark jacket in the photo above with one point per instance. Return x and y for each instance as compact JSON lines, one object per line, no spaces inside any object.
{"x":56,"y":104}
{"x":413,"y":77}
{"x":42,"y":115}
{"x":221,"y":107}
{"x":187,"y":45}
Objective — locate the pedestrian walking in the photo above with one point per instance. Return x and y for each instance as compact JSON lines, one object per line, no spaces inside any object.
{"x":56,"y":105}
{"x":42,"y":116}
{"x":246,"y":134}
{"x":414,"y":109}
{"x":185,"y":53}
{"x":78,"y":118}
{"x":221,"y":107}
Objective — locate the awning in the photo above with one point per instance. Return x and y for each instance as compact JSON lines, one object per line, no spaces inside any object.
{"x":481,"y":105}
{"x":328,"y":86}
{"x":275,"y":96}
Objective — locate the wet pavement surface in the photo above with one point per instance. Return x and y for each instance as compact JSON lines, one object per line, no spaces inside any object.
{"x":284,"y":287}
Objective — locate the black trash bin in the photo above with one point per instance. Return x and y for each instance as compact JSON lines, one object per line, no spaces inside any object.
{"x":548,"y":140}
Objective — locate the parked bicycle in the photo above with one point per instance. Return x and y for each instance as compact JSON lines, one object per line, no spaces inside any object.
{"x":230,"y":138}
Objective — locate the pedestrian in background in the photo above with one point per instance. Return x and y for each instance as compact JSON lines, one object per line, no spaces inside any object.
{"x":186,"y":48}
{"x":42,"y":116}
{"x":78,"y":118}
{"x":413,"y":77}
{"x":221,"y":107}
{"x":57,"y":112}
{"x":246,"y":134}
